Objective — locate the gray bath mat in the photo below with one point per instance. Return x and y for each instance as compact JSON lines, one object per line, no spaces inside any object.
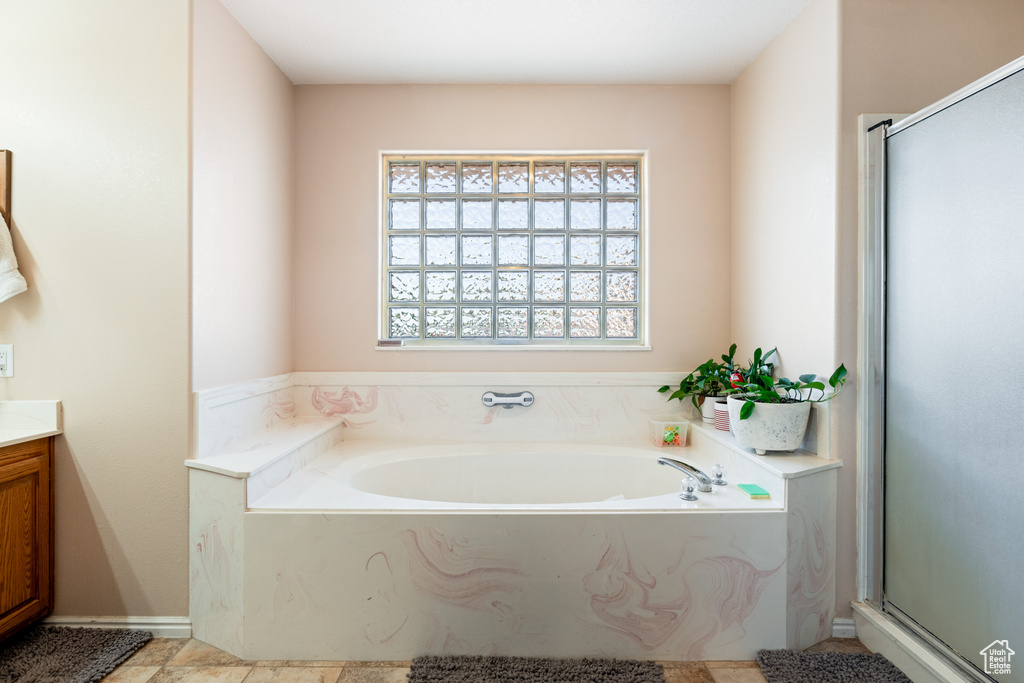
{"x":787,"y":666}
{"x":61,"y":654}
{"x":531,"y":670}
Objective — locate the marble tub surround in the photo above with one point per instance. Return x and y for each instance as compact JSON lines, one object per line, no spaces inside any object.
{"x":391,"y":579}
{"x":251,"y":432}
{"x":578,"y":407}
{"x":229,"y":418}
{"x":381,"y":586}
{"x":22,"y":421}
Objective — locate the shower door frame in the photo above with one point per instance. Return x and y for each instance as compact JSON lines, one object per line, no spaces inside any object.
{"x":873,"y":132}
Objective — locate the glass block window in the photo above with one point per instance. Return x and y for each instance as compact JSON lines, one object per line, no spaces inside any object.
{"x":497,"y":250}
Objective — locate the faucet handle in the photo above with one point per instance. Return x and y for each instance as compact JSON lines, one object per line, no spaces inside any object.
{"x":686,"y":488}
{"x":718,"y":475}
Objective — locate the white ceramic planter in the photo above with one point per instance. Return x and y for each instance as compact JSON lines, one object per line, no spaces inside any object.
{"x":771,"y":427}
{"x":707,"y":409}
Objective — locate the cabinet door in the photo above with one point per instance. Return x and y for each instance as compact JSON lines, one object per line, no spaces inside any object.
{"x":25,"y":549}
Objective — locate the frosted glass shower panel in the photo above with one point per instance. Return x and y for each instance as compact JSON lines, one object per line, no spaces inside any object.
{"x":954,"y":437}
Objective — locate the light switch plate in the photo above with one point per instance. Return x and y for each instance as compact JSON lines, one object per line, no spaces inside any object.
{"x":6,"y":360}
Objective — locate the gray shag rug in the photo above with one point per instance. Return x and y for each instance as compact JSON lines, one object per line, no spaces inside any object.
{"x":61,"y":654}
{"x":788,"y":666}
{"x":465,"y":669}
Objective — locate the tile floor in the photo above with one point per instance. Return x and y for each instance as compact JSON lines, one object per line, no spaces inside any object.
{"x":183,"y":660}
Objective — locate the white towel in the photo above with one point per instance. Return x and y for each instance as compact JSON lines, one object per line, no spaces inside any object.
{"x":11,"y":281}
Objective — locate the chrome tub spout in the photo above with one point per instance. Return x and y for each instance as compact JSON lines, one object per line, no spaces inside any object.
{"x":703,"y":480}
{"x":523,"y":398}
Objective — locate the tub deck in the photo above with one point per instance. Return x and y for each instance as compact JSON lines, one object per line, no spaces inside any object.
{"x":326,"y":484}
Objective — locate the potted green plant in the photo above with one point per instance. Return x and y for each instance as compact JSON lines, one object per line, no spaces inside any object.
{"x":740,"y":376}
{"x":772,"y":415}
{"x":708,"y":381}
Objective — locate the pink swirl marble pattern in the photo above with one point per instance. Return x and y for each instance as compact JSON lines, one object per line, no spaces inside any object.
{"x":280,"y":405}
{"x":706,"y":598}
{"x":456,"y":572}
{"x":330,"y":404}
{"x":390,"y":610}
{"x":730,"y":590}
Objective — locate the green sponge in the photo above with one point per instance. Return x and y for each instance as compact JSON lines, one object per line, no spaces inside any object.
{"x":753,"y":490}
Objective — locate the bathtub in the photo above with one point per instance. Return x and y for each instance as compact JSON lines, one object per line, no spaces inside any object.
{"x":330,"y":536}
{"x":389,"y":551}
{"x":528,"y":477}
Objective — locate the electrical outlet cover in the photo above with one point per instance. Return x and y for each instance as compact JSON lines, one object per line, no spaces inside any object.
{"x":6,"y":360}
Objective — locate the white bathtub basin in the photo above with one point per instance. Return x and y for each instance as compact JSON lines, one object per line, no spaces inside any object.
{"x":526,"y":477}
{"x":541,"y":477}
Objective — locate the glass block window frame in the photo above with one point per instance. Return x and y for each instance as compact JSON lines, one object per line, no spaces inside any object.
{"x":536,"y":251}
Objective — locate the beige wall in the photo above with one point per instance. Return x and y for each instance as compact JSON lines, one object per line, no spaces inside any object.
{"x":897,"y":57}
{"x":784,"y":195}
{"x":342,"y":129}
{"x":241,"y":206}
{"x":785,"y":156}
{"x":94,"y":107}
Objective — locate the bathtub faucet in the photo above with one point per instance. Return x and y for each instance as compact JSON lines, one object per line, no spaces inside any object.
{"x":703,"y":480}
{"x":523,"y":398}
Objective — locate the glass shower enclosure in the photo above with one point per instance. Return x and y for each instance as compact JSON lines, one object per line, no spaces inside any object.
{"x":953,"y":428}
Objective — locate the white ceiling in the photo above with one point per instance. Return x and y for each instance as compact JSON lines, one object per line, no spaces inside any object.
{"x":513,"y":41}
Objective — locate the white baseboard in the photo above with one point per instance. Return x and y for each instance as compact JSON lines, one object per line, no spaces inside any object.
{"x":160,"y":627}
{"x":843,"y":628}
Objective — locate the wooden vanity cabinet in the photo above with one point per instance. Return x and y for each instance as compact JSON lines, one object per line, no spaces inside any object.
{"x":26,"y":534}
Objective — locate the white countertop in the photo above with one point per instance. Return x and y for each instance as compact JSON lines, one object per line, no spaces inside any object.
{"x":22,"y":421}
{"x":799,"y":463}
